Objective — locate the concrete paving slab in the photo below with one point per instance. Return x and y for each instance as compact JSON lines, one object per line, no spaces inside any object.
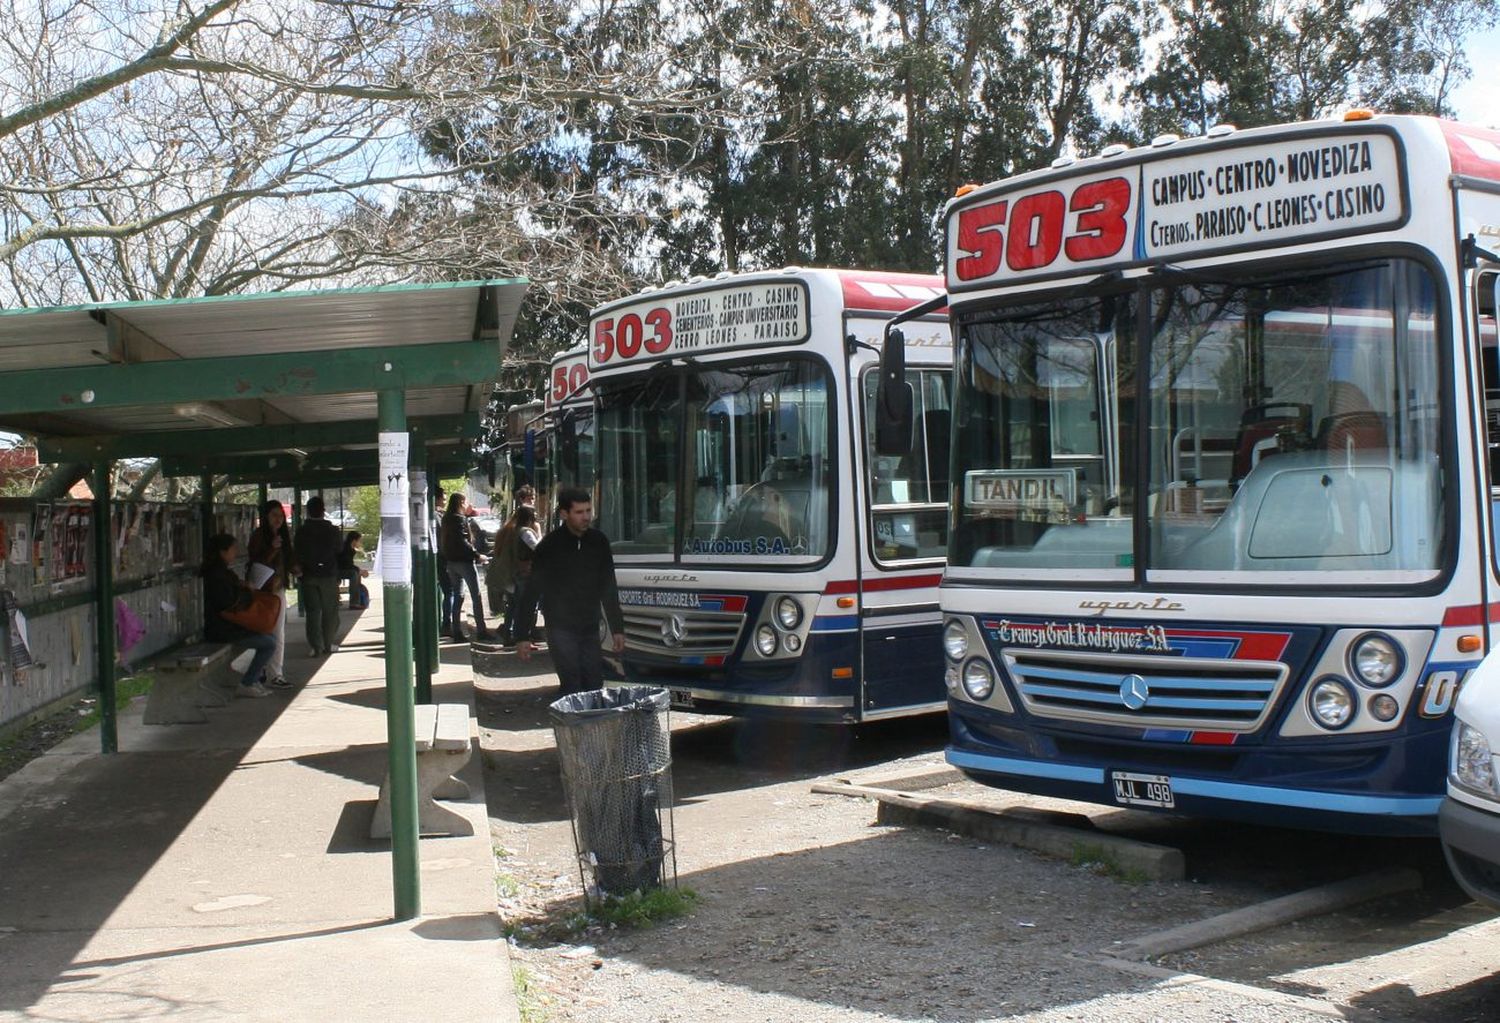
{"x":225,"y":870}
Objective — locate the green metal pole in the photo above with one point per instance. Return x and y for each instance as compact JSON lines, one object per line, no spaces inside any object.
{"x":104,"y":610}
{"x":399,"y":710}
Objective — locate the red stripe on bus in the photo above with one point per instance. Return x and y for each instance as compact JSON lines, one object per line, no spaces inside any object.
{"x":881,"y":585}
{"x":1213,"y":738}
{"x":1469,"y":614}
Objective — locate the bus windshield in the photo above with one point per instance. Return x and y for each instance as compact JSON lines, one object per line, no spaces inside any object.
{"x":1291,"y":430}
{"x":719,"y":463}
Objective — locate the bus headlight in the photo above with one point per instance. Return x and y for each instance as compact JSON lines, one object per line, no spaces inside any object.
{"x":955,"y":640}
{"x":765,"y":640}
{"x":978,"y":680}
{"x":1383,"y":707}
{"x":1473,"y":763}
{"x":788,"y":613}
{"x":1376,"y":660}
{"x":1331,"y":703}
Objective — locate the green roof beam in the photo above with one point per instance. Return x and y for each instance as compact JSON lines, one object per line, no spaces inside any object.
{"x":232,"y":440}
{"x":273,"y":375}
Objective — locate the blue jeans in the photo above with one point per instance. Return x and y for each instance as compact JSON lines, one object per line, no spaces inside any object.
{"x":461,"y":573}
{"x":264,"y":645}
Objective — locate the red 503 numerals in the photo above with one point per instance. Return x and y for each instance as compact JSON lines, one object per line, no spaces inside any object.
{"x":633,"y":334}
{"x":1028,"y":233}
{"x":568,"y":380}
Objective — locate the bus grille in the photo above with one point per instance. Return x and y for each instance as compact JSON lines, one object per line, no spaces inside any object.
{"x":694,"y":634}
{"x":1132,"y":690}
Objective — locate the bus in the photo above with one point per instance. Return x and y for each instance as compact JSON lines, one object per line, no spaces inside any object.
{"x":769,"y":563}
{"x":569,"y":406}
{"x":1222,"y":538}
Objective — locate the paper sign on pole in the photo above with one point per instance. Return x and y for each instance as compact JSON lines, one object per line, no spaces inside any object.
{"x":418,"y":507}
{"x":395,"y":487}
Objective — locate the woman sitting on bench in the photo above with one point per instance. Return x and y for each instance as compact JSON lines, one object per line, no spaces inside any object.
{"x":225,"y":591}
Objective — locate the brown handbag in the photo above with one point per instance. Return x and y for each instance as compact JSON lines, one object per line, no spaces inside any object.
{"x":259,"y":615}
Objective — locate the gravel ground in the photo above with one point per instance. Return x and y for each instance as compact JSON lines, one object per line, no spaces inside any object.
{"x":811,"y":913}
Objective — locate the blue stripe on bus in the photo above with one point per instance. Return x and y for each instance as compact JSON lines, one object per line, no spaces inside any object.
{"x":835,"y":623}
{"x":1034,"y":768}
{"x":1338,"y":802}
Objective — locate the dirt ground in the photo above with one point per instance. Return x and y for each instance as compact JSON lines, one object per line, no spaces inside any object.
{"x":810,"y":912}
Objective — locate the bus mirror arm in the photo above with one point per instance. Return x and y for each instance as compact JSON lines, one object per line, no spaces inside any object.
{"x":1473,"y":252}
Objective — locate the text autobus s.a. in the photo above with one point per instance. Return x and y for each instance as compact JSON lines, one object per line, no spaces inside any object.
{"x":767,"y":562}
{"x":1222,"y":530}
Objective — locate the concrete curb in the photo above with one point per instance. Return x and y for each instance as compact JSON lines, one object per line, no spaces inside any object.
{"x":1273,"y":913}
{"x":1035,"y":830}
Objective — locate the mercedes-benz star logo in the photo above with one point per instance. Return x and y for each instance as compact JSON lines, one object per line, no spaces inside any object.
{"x":673,"y":629}
{"x":1134,"y":692}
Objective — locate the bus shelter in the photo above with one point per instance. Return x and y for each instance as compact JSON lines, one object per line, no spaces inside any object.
{"x":382,"y":385}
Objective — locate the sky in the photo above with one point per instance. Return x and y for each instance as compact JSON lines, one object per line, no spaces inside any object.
{"x":1477,"y":101}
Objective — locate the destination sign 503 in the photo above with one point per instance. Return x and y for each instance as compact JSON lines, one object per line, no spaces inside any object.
{"x":1212,"y":200}
{"x":693,"y":322}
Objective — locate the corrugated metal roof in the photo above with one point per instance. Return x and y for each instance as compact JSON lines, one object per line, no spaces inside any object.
{"x":262,"y":324}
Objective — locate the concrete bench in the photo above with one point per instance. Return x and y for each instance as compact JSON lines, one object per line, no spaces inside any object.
{"x":442,"y":733}
{"x":182,"y":684}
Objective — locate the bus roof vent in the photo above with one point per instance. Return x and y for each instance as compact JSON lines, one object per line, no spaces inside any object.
{"x":1165,"y":140}
{"x":1062,"y":161}
{"x":1218,"y":131}
{"x":673,"y":283}
{"x":1113,"y":150}
{"x":791,"y":269}
{"x":723,"y":274}
{"x":696,"y":279}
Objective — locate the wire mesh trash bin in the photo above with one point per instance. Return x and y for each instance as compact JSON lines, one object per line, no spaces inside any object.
{"x":615,"y":750}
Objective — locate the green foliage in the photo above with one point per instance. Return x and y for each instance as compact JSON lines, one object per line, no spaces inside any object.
{"x":645,"y":909}
{"x":532,"y":1007}
{"x":364,"y":505}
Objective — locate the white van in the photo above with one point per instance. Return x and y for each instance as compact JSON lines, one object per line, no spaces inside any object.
{"x":1470,"y":816}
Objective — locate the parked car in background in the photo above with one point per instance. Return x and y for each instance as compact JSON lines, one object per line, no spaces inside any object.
{"x":1470,"y":817}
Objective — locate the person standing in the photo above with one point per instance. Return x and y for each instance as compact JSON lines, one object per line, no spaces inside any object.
{"x":317,"y":549}
{"x":573,"y":572}
{"x":271,"y":547}
{"x":445,"y":605}
{"x":460,"y":557}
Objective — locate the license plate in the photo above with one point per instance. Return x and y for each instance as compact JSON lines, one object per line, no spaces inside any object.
{"x":1143,"y":789}
{"x":681,"y":697}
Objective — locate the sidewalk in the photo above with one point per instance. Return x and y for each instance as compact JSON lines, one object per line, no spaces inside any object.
{"x":224,"y":870}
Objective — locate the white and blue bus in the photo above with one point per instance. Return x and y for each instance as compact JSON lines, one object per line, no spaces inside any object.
{"x":768,"y":562}
{"x":1222,"y":537}
{"x":569,"y":425}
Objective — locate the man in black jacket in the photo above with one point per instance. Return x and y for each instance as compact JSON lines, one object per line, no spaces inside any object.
{"x":574,"y":572}
{"x":317,"y":546}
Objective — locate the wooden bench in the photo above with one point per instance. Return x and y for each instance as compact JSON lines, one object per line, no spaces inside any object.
{"x":443,"y":748}
{"x":182,"y":684}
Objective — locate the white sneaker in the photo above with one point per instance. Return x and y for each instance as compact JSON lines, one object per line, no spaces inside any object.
{"x":255,"y":691}
{"x":333,"y":649}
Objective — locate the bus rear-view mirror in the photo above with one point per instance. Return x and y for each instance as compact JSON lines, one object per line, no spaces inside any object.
{"x":893,"y":398}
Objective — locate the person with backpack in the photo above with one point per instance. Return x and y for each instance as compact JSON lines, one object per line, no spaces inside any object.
{"x":507,"y":580}
{"x":317,"y":547}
